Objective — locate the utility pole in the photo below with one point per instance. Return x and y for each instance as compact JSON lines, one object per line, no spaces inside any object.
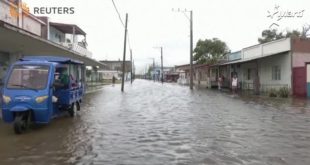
{"x":191,"y":49}
{"x":154,"y":69}
{"x":145,"y":71}
{"x":191,"y":43}
{"x":131,"y":66}
{"x":124,"y":56}
{"x":162,"y":65}
{"x":134,"y":70}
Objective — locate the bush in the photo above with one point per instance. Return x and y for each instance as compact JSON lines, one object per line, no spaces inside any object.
{"x":283,"y":92}
{"x":272,"y":93}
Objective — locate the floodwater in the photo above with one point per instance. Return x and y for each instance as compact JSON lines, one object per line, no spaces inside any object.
{"x":153,"y":123}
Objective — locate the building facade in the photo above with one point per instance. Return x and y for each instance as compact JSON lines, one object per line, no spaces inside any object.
{"x":278,"y":64}
{"x":25,"y":34}
{"x":284,"y":63}
{"x":115,"y":67}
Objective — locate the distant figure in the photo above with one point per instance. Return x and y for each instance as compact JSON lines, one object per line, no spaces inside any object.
{"x":220,"y":82}
{"x":234,"y":84}
{"x":113,"y":80}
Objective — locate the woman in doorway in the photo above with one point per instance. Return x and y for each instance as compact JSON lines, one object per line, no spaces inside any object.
{"x":220,"y":82}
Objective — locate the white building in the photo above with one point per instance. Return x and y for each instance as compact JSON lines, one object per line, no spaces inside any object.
{"x":262,"y":66}
{"x":115,"y":67}
{"x":109,"y":74}
{"x":281,"y":63}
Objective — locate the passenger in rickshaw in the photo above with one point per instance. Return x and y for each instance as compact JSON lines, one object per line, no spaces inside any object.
{"x":62,"y":81}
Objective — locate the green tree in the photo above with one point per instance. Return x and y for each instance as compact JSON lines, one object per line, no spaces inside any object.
{"x":209,"y":51}
{"x":272,"y":35}
{"x":294,"y":33}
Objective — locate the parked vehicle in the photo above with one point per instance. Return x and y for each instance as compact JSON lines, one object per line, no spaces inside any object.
{"x":39,"y":88}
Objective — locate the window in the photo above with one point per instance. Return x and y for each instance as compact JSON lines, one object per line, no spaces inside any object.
{"x":276,"y":73}
{"x":27,"y":76}
{"x":249,"y":74}
{"x":58,"y":37}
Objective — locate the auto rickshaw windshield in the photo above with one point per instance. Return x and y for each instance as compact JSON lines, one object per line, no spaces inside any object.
{"x":28,"y":77}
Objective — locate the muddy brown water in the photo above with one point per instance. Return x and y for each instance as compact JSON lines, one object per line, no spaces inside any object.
{"x":153,"y":123}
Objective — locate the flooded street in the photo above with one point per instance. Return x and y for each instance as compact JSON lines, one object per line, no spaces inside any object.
{"x":153,"y":123}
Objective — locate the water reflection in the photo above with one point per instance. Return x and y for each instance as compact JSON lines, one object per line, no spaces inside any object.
{"x":153,"y":123}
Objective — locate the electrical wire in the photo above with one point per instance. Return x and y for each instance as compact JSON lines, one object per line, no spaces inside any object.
{"x":122,"y":22}
{"x":119,"y":16}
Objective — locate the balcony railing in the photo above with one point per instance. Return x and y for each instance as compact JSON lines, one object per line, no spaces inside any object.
{"x":77,"y":48}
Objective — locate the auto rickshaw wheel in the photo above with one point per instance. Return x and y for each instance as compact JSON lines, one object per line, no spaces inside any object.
{"x":20,"y":124}
{"x":78,"y":106}
{"x":72,"y":110}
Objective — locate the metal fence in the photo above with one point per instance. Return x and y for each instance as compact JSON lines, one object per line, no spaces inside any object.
{"x":267,"y":87}
{"x":246,"y":86}
{"x":263,"y":87}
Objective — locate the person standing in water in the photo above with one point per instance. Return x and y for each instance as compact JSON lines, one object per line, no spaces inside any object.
{"x":234,"y":84}
{"x":113,"y":81}
{"x":220,"y":82}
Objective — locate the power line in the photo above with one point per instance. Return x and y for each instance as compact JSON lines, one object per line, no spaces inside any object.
{"x":119,"y":16}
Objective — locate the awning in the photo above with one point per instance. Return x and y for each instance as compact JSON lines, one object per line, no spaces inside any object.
{"x":16,"y":40}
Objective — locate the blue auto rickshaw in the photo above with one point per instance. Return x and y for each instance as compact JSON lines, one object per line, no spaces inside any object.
{"x":39,"y":88}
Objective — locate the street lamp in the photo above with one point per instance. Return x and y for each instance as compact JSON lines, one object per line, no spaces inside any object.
{"x":191,"y":42}
{"x":162,"y":66}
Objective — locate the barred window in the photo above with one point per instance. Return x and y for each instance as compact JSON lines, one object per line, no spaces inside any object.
{"x":249,"y":74}
{"x":276,"y":73}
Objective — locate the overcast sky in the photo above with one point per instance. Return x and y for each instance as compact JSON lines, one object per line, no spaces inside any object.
{"x":153,"y":23}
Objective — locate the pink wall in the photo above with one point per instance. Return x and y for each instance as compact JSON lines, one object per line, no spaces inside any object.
{"x":299,"y":59}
